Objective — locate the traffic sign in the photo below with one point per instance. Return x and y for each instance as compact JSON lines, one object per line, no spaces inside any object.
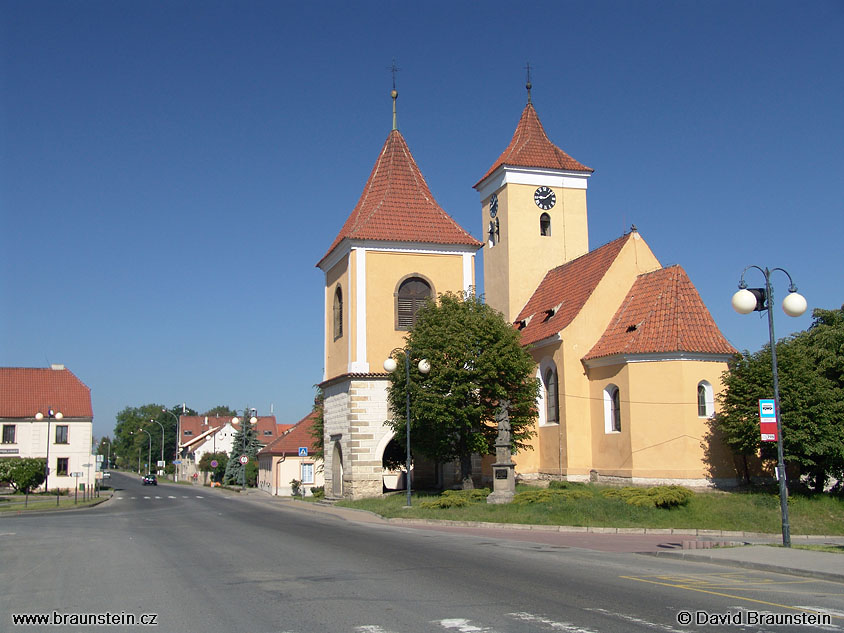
{"x":768,"y":420}
{"x":77,"y":474}
{"x":214,"y":463}
{"x":303,"y":451}
{"x":244,"y":459}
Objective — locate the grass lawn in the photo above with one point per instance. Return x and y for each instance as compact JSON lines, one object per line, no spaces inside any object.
{"x":735,"y":511}
{"x":15,"y":503}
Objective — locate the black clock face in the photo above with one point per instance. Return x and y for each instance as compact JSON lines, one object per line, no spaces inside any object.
{"x":493,"y":206}
{"x":544,"y":198}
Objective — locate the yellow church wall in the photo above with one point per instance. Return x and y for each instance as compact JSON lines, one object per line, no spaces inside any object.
{"x":337,"y":351}
{"x":611,"y":453}
{"x":523,"y":249}
{"x":384,"y":272}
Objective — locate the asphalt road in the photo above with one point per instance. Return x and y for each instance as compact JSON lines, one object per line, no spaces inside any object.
{"x":209,"y":561}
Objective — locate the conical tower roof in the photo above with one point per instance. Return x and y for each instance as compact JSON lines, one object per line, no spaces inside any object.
{"x":397,"y":205}
{"x":530,"y":147}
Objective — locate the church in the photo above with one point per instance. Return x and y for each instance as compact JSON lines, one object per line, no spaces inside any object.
{"x":627,"y":355}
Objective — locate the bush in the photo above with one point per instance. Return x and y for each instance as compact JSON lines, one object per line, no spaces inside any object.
{"x":318,"y":492}
{"x":457,"y":498}
{"x":657,"y":497}
{"x":566,"y":485}
{"x":552,"y":494}
{"x":296,"y":487}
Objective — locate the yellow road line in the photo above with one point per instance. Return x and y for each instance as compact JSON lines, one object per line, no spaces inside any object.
{"x":727,"y":595}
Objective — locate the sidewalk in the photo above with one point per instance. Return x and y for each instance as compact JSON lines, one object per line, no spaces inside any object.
{"x":748,"y":550}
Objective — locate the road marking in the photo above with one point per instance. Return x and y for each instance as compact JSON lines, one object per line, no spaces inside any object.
{"x":630,"y":618}
{"x":146,"y":497}
{"x":157,"y":497}
{"x":464,"y":626}
{"x":171,"y":497}
{"x":371,"y":628}
{"x":199,"y":497}
{"x":723,"y":595}
{"x":557,"y":626}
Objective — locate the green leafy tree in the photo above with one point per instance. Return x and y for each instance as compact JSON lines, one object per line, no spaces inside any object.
{"x":218,"y":471}
{"x":809,"y":366}
{"x":221,"y":410}
{"x":128,"y":442}
{"x":248,"y":445}
{"x":318,"y":428}
{"x":477,"y":363}
{"x":23,"y":474}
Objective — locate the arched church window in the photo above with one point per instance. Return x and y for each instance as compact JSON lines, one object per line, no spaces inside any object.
{"x":338,"y":313}
{"x":494,"y":232}
{"x":412,"y":295}
{"x":705,"y":400}
{"x":612,"y":409}
{"x":545,"y":225}
{"x":552,"y":403}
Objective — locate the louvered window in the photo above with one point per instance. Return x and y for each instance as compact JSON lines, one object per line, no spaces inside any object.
{"x":545,"y":225}
{"x":412,"y":295}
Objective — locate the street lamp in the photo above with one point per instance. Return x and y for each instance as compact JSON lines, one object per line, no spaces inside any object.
{"x":162,"y":437}
{"x":424,"y":367}
{"x":252,"y":420}
{"x":149,"y":450}
{"x":176,"y":469}
{"x":748,"y":300}
{"x":50,"y":415}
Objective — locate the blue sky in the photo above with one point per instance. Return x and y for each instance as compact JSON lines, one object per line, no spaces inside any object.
{"x":171,"y":172}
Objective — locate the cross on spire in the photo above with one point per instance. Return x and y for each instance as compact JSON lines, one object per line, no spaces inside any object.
{"x":528,"y":85}
{"x":394,"y":93}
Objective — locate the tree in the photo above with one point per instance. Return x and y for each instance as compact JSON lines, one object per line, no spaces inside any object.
{"x":128,"y":442}
{"x":318,"y":428}
{"x":477,"y":363}
{"x":221,"y":410}
{"x":218,"y":471}
{"x":249,"y":447}
{"x":810,"y":369}
{"x":23,"y":474}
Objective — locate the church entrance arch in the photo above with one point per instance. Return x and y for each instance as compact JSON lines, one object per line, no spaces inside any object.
{"x":337,"y":471}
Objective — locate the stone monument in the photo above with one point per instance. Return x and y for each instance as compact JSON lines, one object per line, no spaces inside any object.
{"x":503,"y":474}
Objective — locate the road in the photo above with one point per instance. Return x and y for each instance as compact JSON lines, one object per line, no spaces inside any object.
{"x":210,"y":561}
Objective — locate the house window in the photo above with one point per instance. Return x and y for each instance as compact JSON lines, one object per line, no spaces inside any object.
{"x":612,"y":410}
{"x":8,"y":433}
{"x":412,"y":295}
{"x":552,"y":405}
{"x":338,"y":313}
{"x":61,"y":434}
{"x":705,"y":400}
{"x":61,"y":466}
{"x":307,"y":473}
{"x":545,"y":225}
{"x":266,"y":432}
{"x":188,"y":432}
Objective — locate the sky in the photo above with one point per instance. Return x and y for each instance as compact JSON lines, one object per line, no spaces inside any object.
{"x":172,"y":171}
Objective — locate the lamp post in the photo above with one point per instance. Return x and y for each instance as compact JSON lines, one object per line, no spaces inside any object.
{"x":149,"y":450}
{"x":162,"y":437}
{"x":50,"y":415}
{"x":252,"y":420}
{"x":175,"y":469}
{"x":748,"y":300}
{"x":424,"y":367}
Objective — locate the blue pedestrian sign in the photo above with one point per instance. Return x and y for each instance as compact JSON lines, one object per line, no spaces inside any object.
{"x":303,"y":451}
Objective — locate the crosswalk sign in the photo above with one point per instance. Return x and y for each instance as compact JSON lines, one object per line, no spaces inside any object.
{"x":303,"y":451}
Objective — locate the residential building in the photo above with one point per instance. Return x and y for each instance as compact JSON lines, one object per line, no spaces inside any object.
{"x":291,"y":456}
{"x":46,"y":413}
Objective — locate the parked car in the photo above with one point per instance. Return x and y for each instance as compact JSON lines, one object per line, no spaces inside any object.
{"x":106,"y":474}
{"x":150,"y":480}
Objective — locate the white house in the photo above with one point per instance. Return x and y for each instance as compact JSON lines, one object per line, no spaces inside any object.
{"x":46,"y":413}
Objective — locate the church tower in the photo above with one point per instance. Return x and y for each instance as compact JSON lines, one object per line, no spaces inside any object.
{"x":533,"y":201}
{"x":397,"y":248}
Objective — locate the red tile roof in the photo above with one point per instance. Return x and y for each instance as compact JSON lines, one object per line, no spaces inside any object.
{"x":293,"y":438}
{"x":397,"y":205}
{"x":27,"y":391}
{"x":662,"y":312}
{"x":192,"y":426}
{"x":565,"y":290}
{"x":530,"y":147}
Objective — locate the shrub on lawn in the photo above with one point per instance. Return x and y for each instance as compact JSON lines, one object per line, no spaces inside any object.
{"x":457,"y":498}
{"x":566,"y":485}
{"x":550,"y":495}
{"x":657,"y":497}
